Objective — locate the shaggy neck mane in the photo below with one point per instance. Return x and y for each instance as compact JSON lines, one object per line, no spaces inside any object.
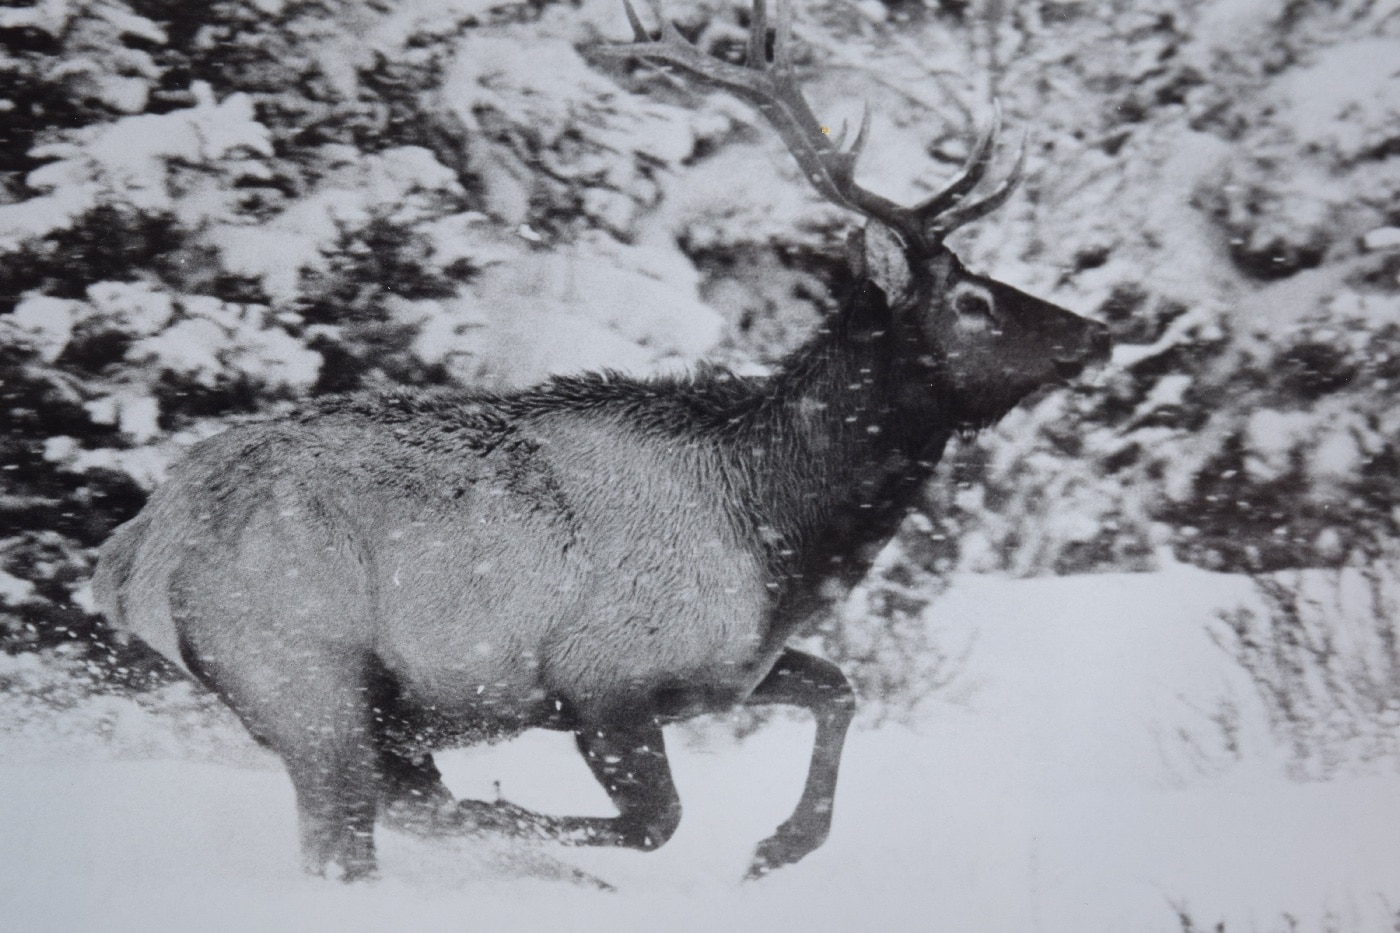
{"x":845,"y":435}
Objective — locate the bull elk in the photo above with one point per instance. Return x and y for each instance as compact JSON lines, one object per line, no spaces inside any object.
{"x":379,"y":577}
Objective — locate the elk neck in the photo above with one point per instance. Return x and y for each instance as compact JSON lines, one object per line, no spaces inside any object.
{"x":850,"y":428}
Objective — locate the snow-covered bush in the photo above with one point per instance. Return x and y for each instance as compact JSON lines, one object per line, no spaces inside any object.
{"x":1324,"y":652}
{"x":1195,"y":167}
{"x":60,"y":705}
{"x":1311,"y":175}
{"x":881,"y":638}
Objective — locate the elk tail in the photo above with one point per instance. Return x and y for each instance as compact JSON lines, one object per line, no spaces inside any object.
{"x":130,"y":586}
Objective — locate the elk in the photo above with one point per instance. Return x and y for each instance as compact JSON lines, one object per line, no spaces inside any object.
{"x":381,"y":576}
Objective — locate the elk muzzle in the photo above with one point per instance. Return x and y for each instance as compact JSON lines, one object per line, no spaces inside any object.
{"x":1093,"y":348}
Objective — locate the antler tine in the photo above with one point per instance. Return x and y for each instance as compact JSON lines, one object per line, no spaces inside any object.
{"x":840,"y":139}
{"x":639,"y":32}
{"x":839,"y":143}
{"x":758,"y":36}
{"x":969,"y":211}
{"x":773,"y":90}
{"x":862,"y":137}
{"x":973,"y":169}
{"x":782,"y":37}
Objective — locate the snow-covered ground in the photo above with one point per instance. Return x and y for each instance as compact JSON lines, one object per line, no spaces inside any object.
{"x":1098,"y":764}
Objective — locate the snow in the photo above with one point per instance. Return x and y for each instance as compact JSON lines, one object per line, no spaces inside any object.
{"x":550,"y":318}
{"x":13,"y":590}
{"x":45,"y":322}
{"x":134,"y":307}
{"x":1100,"y":763}
{"x":1347,"y":98}
{"x":1382,"y":238}
{"x":1270,"y":439}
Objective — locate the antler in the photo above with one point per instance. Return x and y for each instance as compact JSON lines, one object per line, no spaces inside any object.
{"x":946,"y":211}
{"x":772,"y":88}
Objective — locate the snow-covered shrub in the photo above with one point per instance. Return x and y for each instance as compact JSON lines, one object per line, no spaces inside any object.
{"x":1324,"y":652}
{"x":72,"y":62}
{"x":1244,"y":421}
{"x":58,"y":704}
{"x":1316,"y":169}
{"x":1241,"y":442}
{"x":172,"y":163}
{"x":1301,"y":471}
{"x":880,"y":636}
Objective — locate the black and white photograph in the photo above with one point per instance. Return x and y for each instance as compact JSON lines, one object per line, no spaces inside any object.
{"x":700,"y":465}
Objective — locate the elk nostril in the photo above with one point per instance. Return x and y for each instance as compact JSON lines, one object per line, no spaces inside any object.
{"x":1100,"y":343}
{"x":1094,"y":346}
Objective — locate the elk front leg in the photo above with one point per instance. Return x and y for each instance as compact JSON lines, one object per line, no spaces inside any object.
{"x":814,"y":684}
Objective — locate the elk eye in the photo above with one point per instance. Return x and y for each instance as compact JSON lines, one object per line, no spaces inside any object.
{"x":973,"y":304}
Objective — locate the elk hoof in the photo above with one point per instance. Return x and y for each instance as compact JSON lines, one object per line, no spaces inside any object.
{"x":788,"y":845}
{"x":772,"y":853}
{"x":759,"y":869}
{"x":359,"y":872}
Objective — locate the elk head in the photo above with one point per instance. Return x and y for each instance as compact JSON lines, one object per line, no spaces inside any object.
{"x":987,"y":345}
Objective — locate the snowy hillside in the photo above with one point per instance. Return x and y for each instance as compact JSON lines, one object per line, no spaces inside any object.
{"x":1098,"y":763}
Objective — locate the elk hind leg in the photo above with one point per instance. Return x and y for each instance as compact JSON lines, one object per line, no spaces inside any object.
{"x":800,"y":679}
{"x":414,"y":799}
{"x":630,"y":762}
{"x":313,"y":711}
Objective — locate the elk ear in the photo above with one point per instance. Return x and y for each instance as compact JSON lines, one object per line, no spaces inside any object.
{"x":878,"y":254}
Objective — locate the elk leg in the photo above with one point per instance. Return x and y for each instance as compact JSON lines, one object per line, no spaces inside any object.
{"x":814,"y":684}
{"x":413,"y":798}
{"x":630,"y":762}
{"x":335,"y":791}
{"x":315,"y":717}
